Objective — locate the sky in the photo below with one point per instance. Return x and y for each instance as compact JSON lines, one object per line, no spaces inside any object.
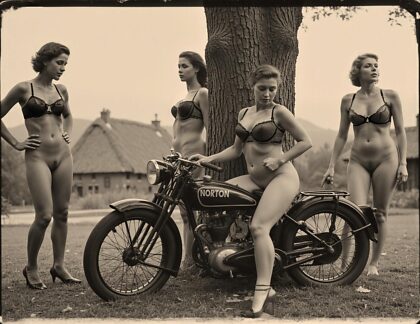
{"x":125,"y":59}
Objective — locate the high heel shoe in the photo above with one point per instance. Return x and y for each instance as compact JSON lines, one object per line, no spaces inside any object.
{"x":268,"y":306}
{"x":38,"y":285}
{"x":70,"y":280}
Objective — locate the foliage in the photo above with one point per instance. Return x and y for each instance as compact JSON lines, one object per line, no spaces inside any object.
{"x":14,"y":186}
{"x":312,"y":165}
{"x":102,"y":200}
{"x":405,"y":199}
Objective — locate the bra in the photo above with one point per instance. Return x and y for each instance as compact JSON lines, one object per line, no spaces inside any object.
{"x":37,"y":107}
{"x":187,"y":109}
{"x":264,"y":132}
{"x":381,"y":116}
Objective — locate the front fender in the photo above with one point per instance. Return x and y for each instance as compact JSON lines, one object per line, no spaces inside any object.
{"x":124,"y":205}
{"x":364,"y":212}
{"x":133,"y":203}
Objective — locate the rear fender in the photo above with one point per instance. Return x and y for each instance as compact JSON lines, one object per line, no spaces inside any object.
{"x":364,"y":212}
{"x":124,"y":205}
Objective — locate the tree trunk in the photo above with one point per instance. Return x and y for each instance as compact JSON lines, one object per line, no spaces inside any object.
{"x":240,"y":39}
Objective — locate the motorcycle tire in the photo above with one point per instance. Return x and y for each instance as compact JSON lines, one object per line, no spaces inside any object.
{"x":109,"y":264}
{"x":331,"y":268}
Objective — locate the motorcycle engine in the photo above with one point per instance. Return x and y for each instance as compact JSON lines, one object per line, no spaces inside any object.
{"x":223,"y":233}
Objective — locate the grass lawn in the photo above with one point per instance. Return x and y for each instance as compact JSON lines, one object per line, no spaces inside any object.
{"x":394,"y":294}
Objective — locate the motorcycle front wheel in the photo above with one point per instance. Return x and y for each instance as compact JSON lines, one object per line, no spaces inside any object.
{"x":114,"y":268}
{"x":350,"y":253}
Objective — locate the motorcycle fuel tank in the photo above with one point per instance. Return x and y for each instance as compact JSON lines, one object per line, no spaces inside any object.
{"x":215,"y":194}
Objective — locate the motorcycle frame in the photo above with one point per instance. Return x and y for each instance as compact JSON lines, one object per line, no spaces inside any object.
{"x":165,"y":203}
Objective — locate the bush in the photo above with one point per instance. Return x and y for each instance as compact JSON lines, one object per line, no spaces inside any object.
{"x":405,"y":199}
{"x":102,"y":200}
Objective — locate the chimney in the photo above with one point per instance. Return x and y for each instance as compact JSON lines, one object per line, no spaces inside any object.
{"x":156,"y":122}
{"x":105,"y":115}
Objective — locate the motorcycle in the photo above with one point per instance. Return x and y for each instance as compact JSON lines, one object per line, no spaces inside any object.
{"x":136,"y":248}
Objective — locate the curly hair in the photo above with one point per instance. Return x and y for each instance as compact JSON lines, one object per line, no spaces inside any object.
{"x":265,"y":71}
{"x":47,"y":53}
{"x":354,"y":74}
{"x":197,"y":61}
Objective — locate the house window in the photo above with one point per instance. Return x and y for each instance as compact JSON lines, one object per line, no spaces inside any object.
{"x":107,"y":182}
{"x":127,"y":175}
{"x":80,"y":191}
{"x":80,"y":177}
{"x":139,"y":176}
{"x":127,"y":187}
{"x":90,"y":189}
{"x":93,"y":176}
{"x":96,"y":188}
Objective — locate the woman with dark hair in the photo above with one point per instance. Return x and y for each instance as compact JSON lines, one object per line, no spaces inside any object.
{"x":259,"y":135}
{"x":375,"y":160}
{"x":48,"y":160}
{"x":191,"y":116}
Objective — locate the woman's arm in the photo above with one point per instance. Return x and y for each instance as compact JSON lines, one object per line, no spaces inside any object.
{"x":232,"y":152}
{"x":399,"y":133}
{"x":11,"y":99}
{"x":288,"y":121}
{"x":341,"y":138}
{"x":203,"y":102}
{"x":67,"y":116}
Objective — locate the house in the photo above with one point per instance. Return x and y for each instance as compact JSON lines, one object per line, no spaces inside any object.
{"x":412,"y":157}
{"x":112,"y":154}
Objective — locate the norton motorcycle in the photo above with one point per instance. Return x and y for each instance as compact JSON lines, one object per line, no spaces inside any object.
{"x":136,"y":248}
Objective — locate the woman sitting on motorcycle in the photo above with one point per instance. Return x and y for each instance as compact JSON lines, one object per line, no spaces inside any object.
{"x":259,"y":134}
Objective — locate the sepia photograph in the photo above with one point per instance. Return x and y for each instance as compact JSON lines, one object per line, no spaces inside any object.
{"x":183,"y":162}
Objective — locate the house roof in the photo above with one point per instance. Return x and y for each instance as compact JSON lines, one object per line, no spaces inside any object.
{"x":119,"y":146}
{"x":412,"y":143}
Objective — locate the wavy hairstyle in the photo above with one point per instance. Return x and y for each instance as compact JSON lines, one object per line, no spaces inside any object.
{"x":47,"y":53}
{"x":265,"y":71}
{"x":354,"y":74}
{"x":197,"y":61}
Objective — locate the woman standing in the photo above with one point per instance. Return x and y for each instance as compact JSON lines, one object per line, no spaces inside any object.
{"x":259,"y":135}
{"x":375,"y":160}
{"x":191,"y":116}
{"x":48,"y":160}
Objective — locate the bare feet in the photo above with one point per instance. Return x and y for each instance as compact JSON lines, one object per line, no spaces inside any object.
{"x":372,"y":270}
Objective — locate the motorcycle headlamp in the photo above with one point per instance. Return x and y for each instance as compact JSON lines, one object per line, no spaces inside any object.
{"x":155,"y":172}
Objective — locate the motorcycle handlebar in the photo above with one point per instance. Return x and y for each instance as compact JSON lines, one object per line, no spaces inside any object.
{"x":211,"y":166}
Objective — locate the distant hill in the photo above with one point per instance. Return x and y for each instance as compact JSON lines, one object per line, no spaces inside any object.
{"x":319,"y":135}
{"x":79,"y":126}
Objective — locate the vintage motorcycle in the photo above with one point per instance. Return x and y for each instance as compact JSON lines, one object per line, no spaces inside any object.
{"x":137,"y":247}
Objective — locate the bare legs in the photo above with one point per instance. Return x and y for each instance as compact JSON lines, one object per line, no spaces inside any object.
{"x":50,"y":194}
{"x":274,"y":202}
{"x":61,"y":191}
{"x":187,"y":231}
{"x":358,"y":184}
{"x":39,"y":181}
{"x":383,"y":183}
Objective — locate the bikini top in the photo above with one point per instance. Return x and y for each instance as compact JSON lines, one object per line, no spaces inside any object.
{"x":381,"y":116}
{"x":187,"y":109}
{"x":264,"y":132}
{"x":37,"y":107}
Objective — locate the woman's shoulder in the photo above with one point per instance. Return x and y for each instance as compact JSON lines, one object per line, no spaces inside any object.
{"x":21,"y":88}
{"x":280,"y":111}
{"x":390,"y":93}
{"x":202,"y":93}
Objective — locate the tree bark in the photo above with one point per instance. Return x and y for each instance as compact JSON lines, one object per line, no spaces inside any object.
{"x":240,"y":39}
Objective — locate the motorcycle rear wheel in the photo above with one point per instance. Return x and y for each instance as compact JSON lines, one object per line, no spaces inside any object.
{"x":331,"y":268}
{"x":110,"y":264}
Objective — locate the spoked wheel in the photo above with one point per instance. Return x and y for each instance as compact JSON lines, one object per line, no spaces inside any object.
{"x":347,"y":256}
{"x":115,"y":268}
